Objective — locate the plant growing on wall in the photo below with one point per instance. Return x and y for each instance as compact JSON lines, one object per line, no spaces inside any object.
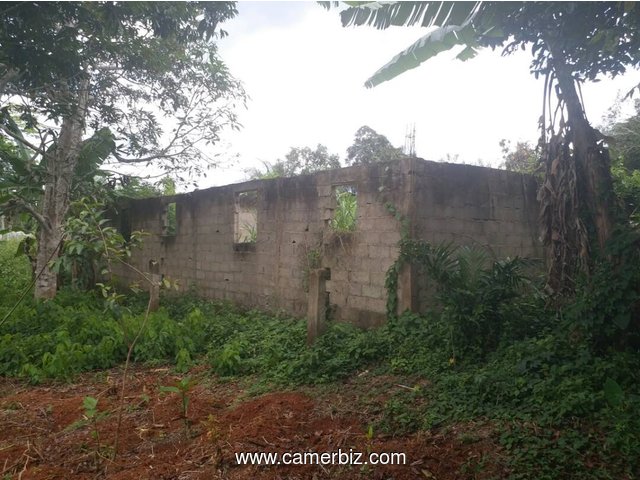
{"x":346,"y":211}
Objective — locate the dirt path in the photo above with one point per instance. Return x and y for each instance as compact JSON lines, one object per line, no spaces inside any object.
{"x":43,"y":434}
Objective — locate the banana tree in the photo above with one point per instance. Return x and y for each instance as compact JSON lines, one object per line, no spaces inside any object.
{"x":571,"y":42}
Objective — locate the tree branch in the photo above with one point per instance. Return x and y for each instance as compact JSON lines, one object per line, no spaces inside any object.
{"x":26,"y":143}
{"x":8,"y":76}
{"x":157,"y":156}
{"x":20,"y":203}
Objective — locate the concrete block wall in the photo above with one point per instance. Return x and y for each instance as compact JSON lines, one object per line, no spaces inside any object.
{"x":293,"y":227}
{"x":476,"y":205}
{"x":294,"y":235}
{"x":468,"y":205}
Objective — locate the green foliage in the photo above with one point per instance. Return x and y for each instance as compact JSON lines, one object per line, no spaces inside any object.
{"x":91,"y":245}
{"x":560,"y":388}
{"x":298,"y":161}
{"x":564,"y":409}
{"x":345,"y":214}
{"x":182,"y":387}
{"x":165,"y":54}
{"x":523,"y":158}
{"x":15,"y":272}
{"x":92,"y":415}
{"x":481,"y":300}
{"x":588,"y":30}
{"x":371,"y":147}
{"x":605,"y":311}
{"x":625,"y":137}
{"x":251,"y":235}
{"x":626,"y":184}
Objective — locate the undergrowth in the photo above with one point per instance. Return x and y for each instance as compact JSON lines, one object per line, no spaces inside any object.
{"x":562,"y":387}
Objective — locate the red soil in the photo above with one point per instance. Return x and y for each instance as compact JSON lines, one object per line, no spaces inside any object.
{"x":43,"y":435}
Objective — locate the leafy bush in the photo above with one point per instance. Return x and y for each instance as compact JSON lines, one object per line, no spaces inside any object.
{"x":481,"y":301}
{"x":15,"y":274}
{"x":627,"y":187}
{"x":606,"y":310}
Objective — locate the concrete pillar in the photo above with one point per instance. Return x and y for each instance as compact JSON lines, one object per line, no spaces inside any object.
{"x":154,"y":288}
{"x":317,"y":310}
{"x":407,"y":295}
{"x":154,"y":291}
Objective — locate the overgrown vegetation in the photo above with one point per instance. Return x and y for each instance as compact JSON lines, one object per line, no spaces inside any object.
{"x":345,"y":214}
{"x":561,"y":387}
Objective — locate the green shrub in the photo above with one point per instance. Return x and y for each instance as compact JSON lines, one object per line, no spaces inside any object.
{"x":483,"y":302}
{"x":15,"y":274}
{"x":606,"y":309}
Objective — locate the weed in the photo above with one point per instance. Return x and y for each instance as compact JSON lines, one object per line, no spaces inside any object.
{"x":92,"y":415}
{"x":183,"y":387}
{"x":212,"y":428}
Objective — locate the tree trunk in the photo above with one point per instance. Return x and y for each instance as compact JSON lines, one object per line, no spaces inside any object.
{"x":57,"y":191}
{"x":577,"y":197}
{"x":592,"y":163}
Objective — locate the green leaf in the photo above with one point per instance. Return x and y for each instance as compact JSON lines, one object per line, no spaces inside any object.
{"x":89,"y":404}
{"x":467,"y":54}
{"x":439,"y":40}
{"x":427,"y":14}
{"x":613,"y":393}
{"x":170,"y":389}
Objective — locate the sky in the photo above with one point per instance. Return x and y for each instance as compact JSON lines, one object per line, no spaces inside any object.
{"x":305,"y":73}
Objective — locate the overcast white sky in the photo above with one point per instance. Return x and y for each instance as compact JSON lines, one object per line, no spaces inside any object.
{"x":304,"y":74}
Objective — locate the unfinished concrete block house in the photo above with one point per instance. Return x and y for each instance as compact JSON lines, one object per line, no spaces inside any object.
{"x":257,"y":243}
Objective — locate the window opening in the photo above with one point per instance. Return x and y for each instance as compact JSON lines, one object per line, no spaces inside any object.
{"x":345,"y":213}
{"x":169,"y":220}
{"x":246,"y":217}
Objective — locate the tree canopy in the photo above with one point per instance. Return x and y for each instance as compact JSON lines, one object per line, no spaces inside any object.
{"x":523,"y":158}
{"x":143,"y":78}
{"x":371,"y":147}
{"x":625,"y":139}
{"x":137,"y":62}
{"x":298,"y":161}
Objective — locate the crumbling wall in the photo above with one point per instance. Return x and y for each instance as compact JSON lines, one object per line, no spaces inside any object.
{"x":213,"y":249}
{"x":492,"y":209}
{"x":254,"y":243}
{"x":473,"y":205}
